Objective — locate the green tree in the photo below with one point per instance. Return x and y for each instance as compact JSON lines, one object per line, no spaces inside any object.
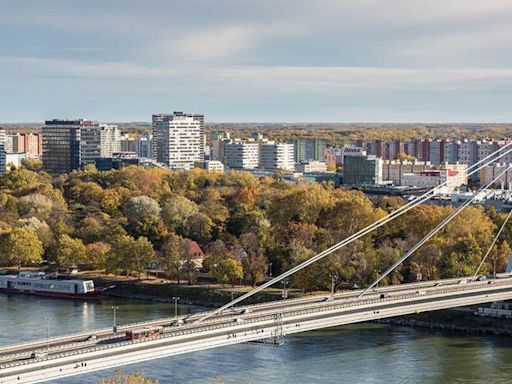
{"x":21,"y":247}
{"x":170,"y":257}
{"x":462,"y":260}
{"x":70,"y":251}
{"x":98,"y":253}
{"x":129,"y":255}
{"x":198,"y":227}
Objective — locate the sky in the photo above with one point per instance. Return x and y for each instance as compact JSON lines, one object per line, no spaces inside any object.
{"x":257,"y":61}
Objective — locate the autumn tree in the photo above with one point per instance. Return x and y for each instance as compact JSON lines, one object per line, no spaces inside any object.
{"x":170,"y":257}
{"x":97,"y":254}
{"x":21,"y":247}
{"x":124,"y":378}
{"x":69,"y":251}
{"x":253,"y":259}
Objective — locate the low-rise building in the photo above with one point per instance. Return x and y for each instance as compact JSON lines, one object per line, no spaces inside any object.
{"x":433,"y":178}
{"x":310,"y":166}
{"x":213,"y":166}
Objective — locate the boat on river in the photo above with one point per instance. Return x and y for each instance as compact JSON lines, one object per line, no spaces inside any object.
{"x":40,"y":284}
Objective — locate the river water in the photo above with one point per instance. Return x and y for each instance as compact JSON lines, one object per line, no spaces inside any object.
{"x":363,"y":353}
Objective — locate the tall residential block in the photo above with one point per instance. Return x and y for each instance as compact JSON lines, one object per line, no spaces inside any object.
{"x":309,"y":149}
{"x":242,"y":155}
{"x":180,"y":139}
{"x":275,"y":156}
{"x":98,"y":140}
{"x":61,"y":146}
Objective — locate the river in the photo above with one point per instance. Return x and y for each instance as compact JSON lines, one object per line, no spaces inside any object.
{"x":363,"y":353}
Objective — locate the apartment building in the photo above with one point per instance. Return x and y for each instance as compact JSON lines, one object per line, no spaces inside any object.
{"x":180,"y":139}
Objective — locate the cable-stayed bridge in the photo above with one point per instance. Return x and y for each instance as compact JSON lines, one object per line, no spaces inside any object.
{"x":269,"y":322}
{"x":102,"y":349}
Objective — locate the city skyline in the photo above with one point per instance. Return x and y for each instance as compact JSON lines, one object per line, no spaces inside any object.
{"x":356,"y":61}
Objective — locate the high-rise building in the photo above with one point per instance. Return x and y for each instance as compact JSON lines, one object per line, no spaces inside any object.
{"x":180,"y":139}
{"x":3,"y":161}
{"x":61,"y":146}
{"x":309,"y":149}
{"x":242,"y":155}
{"x":275,"y":156}
{"x":98,"y":140}
{"x":141,"y":145}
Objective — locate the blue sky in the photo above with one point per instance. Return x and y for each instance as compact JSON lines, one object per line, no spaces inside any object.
{"x":265,"y":60}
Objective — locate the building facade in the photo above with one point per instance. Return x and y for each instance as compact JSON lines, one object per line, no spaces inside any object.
{"x":61,"y":146}
{"x":362,"y":170}
{"x":180,"y":139}
{"x":242,"y":155}
{"x":98,"y":140}
{"x":309,"y":149}
{"x":274,"y":156}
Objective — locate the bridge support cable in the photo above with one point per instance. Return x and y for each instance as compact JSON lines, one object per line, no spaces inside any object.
{"x":506,"y":149}
{"x":432,"y":233}
{"x":492,"y":244}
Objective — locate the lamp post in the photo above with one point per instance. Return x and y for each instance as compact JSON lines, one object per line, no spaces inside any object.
{"x":47,"y":318}
{"x":494,"y":267}
{"x":285,"y":292}
{"x":333,"y":282}
{"x":269,"y":269}
{"x":175,"y":298}
{"x":114,"y":326}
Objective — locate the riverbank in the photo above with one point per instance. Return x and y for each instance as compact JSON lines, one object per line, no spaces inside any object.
{"x":162,"y":291}
{"x":454,"y":320}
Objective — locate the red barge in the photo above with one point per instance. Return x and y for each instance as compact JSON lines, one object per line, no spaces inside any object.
{"x":39,"y":284}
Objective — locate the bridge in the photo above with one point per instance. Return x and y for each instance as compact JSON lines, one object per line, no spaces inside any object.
{"x":266,"y":323}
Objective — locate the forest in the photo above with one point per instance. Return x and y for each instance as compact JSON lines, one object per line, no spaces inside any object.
{"x":120,"y":221}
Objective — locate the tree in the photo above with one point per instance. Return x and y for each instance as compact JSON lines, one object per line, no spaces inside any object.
{"x":22,"y":247}
{"x":188,"y":264}
{"x":70,"y":251}
{"x":170,"y":257}
{"x":176,"y":209}
{"x":97,"y":254}
{"x":198,"y":227}
{"x":462,"y":260}
{"x":142,"y":210}
{"x":36,"y":205}
{"x":130,"y":255}
{"x":253,"y":260}
{"x":123,"y":378}
{"x":40,"y":228}
{"x":222,"y":265}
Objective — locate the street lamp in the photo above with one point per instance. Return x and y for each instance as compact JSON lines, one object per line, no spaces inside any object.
{"x":333,"y":282}
{"x":114,"y":326}
{"x":494,"y":267}
{"x":47,"y":318}
{"x":285,"y":292}
{"x":175,"y":298}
